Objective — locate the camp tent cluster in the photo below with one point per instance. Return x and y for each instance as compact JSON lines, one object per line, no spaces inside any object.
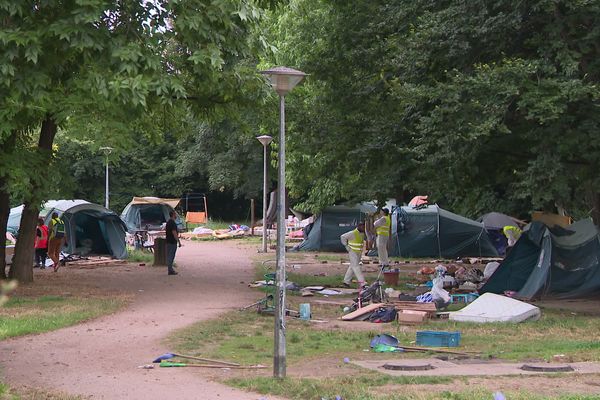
{"x":90,"y":228}
{"x":425,"y":231}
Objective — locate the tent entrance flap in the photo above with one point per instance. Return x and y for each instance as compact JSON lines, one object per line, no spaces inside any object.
{"x":90,"y":237}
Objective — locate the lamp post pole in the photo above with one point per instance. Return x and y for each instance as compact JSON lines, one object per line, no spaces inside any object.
{"x":283,"y":80}
{"x":265,"y":140}
{"x":107,"y":151}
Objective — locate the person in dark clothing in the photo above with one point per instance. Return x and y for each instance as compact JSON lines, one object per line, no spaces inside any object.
{"x":172,"y":240}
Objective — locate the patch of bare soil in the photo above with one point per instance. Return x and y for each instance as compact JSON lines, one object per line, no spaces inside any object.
{"x":587,"y":306}
{"x":100,"y":359}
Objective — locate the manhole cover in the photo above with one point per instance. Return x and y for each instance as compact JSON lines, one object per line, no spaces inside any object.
{"x":400,"y":367}
{"x":547,"y":368}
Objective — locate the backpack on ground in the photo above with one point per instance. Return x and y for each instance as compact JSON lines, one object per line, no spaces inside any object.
{"x":384,"y":314}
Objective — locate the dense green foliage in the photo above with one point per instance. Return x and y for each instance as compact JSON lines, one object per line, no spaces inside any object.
{"x":108,"y":73}
{"x":483,"y":105}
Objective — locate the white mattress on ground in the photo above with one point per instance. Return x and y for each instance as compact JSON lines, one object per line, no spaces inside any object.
{"x":491,"y":307}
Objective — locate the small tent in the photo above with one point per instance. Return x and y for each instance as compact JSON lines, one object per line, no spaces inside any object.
{"x":431,"y":231}
{"x":90,"y":228}
{"x":324,"y":233}
{"x":149,"y":213}
{"x":557,"y":260}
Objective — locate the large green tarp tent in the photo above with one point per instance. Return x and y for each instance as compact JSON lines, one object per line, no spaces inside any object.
{"x":324,"y":233}
{"x":558,"y":261}
{"x":431,"y":231}
{"x":90,"y":228}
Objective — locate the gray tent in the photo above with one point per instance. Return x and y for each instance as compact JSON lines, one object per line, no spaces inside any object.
{"x":149,"y":213}
{"x":324,"y":233}
{"x":561,"y":261}
{"x":90,"y":228}
{"x":431,"y":231}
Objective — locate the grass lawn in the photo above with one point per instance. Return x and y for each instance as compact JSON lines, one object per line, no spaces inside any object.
{"x":315,"y":352}
{"x":247,"y":338}
{"x":22,"y":316}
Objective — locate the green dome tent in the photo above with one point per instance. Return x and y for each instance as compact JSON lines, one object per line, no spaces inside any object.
{"x":434,"y":232}
{"x":559,"y":261}
{"x":149,"y":213}
{"x":324,"y":233}
{"x":90,"y":228}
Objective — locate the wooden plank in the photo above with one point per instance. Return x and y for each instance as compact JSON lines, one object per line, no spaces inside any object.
{"x":362,"y":311}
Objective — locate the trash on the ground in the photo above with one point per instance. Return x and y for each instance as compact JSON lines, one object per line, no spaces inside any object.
{"x":361,"y":312}
{"x":409,"y":317}
{"x":346,"y":360}
{"x":329,"y":292}
{"x":168,"y":356}
{"x":491,"y":307}
{"x":438,"y":339}
{"x":146,"y":366}
{"x":499,"y":396}
{"x":168,"y":364}
{"x":384,"y":338}
{"x":265,"y":302}
{"x":305,"y":311}
{"x":383,"y":315}
{"x":386,"y":348}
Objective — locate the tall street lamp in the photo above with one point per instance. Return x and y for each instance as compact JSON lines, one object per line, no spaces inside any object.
{"x":265,"y":140}
{"x":106,"y":151}
{"x":283,"y":80}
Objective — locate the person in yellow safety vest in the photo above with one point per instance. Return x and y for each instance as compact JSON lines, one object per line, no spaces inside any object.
{"x":382,"y":227}
{"x":353,"y":242}
{"x":513,"y":234}
{"x":58,"y":236}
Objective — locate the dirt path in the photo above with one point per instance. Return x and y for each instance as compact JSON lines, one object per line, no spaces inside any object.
{"x":99,"y":358}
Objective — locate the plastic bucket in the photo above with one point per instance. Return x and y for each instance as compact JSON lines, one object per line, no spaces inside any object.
{"x":391,"y":278}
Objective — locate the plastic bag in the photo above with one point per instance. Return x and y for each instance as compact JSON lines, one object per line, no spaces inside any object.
{"x":437,"y":291}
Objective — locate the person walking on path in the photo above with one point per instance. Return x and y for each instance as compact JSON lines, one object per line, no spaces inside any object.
{"x":57,"y":237}
{"x":41,"y":244}
{"x":382,"y":227}
{"x":172,"y":241}
{"x":353,"y":242}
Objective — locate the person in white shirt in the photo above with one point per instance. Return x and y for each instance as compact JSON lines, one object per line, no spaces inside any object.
{"x":382,"y":227}
{"x":353,"y":242}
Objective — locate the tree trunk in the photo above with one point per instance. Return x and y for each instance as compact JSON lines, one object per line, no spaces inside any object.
{"x":8,"y":147}
{"x":596,"y":208}
{"x":4,"y":212}
{"x":22,"y":266}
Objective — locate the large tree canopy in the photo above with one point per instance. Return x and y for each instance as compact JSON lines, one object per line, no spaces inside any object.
{"x":101,"y":67}
{"x":483,"y":105}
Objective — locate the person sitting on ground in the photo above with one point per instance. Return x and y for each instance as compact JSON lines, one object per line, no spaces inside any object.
{"x":353,"y":242}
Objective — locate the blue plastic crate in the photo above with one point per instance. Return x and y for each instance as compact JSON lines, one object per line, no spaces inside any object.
{"x":438,"y":339}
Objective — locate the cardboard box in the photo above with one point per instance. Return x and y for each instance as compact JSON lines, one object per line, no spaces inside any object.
{"x":410,"y":317}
